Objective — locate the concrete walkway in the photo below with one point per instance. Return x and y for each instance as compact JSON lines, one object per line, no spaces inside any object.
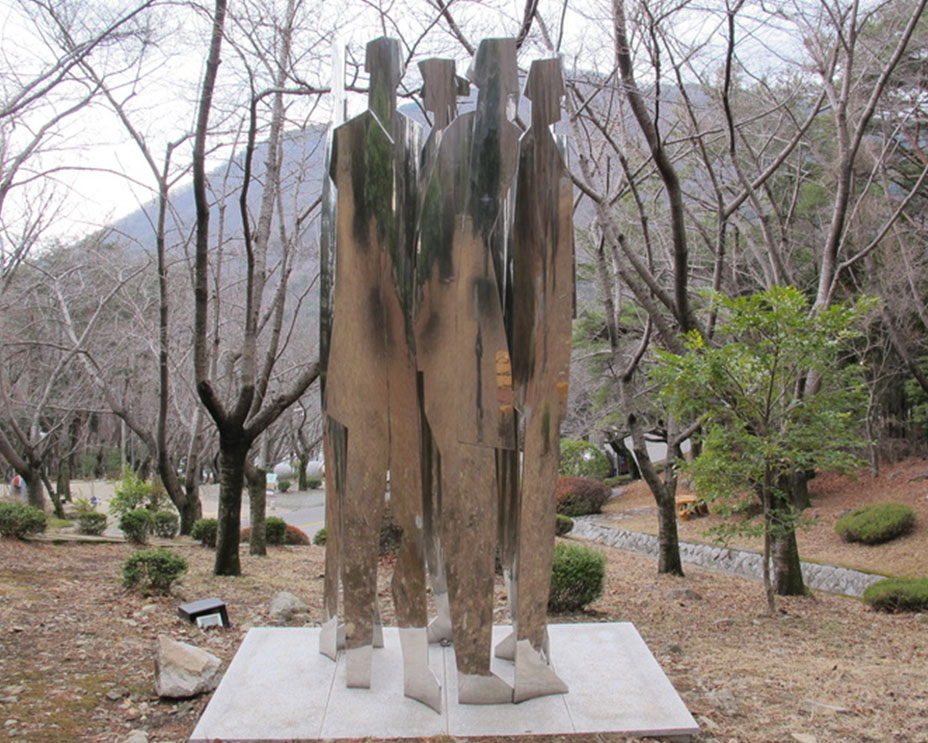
{"x":746,"y":563}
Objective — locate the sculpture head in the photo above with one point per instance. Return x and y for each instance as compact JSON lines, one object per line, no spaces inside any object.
{"x":493,"y":71}
{"x":544,"y":87}
{"x":383,"y":61}
{"x":440,"y":89}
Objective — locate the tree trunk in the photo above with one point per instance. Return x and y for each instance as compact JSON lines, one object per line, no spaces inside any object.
{"x":668,"y":539}
{"x":302,"y":479}
{"x":257,"y":500}
{"x":34,"y":491}
{"x":190,"y":511}
{"x":63,"y":484}
{"x":53,"y":494}
{"x":787,"y":571}
{"x":229,"y":522}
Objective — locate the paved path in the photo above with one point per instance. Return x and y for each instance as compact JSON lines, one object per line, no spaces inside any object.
{"x":746,"y":563}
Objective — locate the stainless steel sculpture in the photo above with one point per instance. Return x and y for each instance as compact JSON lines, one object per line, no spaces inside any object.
{"x":447,"y":304}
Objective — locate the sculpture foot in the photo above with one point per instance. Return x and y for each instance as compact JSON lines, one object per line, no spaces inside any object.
{"x":534,"y":677}
{"x":439,"y":629}
{"x":507,"y":647}
{"x":419,"y":682}
{"x":476,"y":689}
{"x":328,"y":638}
{"x":358,"y":667}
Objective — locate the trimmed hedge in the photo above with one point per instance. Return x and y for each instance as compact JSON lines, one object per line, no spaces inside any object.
{"x":577,"y":576}
{"x":204,"y":531}
{"x":898,"y":594}
{"x":582,"y":459}
{"x":291,"y":534}
{"x":166,"y":524}
{"x":137,"y":525}
{"x":19,"y":520}
{"x":313,"y":483}
{"x":579,"y":496}
{"x":91,"y":522}
{"x":320,"y":536}
{"x":875,"y":524}
{"x":153,"y":571}
{"x":562,"y":525}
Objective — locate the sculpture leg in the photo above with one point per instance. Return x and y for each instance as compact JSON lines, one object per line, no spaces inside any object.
{"x":469,"y":539}
{"x":507,"y":467}
{"x":534,"y":675}
{"x":409,"y":581}
{"x":361,"y":515}
{"x":335,"y":439}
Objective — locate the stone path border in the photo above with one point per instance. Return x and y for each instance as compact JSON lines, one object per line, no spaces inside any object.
{"x":746,"y":563}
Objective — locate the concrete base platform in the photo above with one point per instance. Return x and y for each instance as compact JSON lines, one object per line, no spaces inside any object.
{"x":279,"y":688}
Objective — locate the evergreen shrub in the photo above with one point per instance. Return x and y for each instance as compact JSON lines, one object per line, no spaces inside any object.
{"x":19,"y":520}
{"x":91,"y":522}
{"x":275,"y":530}
{"x":562,"y":525}
{"x":153,"y":571}
{"x":166,"y":524}
{"x":204,"y":531}
{"x":579,"y":496}
{"x":137,"y":525}
{"x":313,"y":483}
{"x":876,"y":523}
{"x":582,"y":459}
{"x":320,"y":536}
{"x":898,"y":594}
{"x":283,"y":486}
{"x":577,"y":576}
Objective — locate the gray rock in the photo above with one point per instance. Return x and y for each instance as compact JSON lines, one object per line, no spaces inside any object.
{"x":182,"y":670}
{"x":284,"y":606}
{"x":136,"y":736}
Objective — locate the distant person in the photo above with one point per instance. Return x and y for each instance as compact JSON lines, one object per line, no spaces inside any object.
{"x":18,"y":487}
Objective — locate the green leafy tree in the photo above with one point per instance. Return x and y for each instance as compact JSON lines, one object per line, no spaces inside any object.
{"x":762,"y":424}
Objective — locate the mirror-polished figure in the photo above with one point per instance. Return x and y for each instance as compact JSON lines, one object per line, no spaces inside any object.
{"x":440,"y":89}
{"x":463,"y":352}
{"x":371,"y":396}
{"x":542,"y":314}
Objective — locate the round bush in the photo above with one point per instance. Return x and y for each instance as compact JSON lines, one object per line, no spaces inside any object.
{"x":582,"y":459}
{"x":313,"y":482}
{"x":876,"y":523}
{"x":275,"y":530}
{"x":91,"y":522}
{"x":320,"y":536}
{"x":19,"y":520}
{"x":898,"y":594}
{"x":166,"y":524}
{"x":283,"y":486}
{"x":204,"y":531}
{"x":576,"y":577}
{"x":153,"y":571}
{"x":137,"y":525}
{"x":292,"y":536}
{"x":579,"y":496}
{"x":562,"y":525}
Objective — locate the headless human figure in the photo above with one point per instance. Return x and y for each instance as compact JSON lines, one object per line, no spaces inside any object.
{"x":371,"y":395}
{"x":542,"y":314}
{"x":463,"y":353}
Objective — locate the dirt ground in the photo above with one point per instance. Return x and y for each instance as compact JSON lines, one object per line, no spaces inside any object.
{"x":76,"y":649}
